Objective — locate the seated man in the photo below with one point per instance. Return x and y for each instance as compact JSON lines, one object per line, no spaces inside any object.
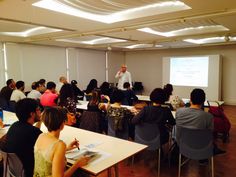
{"x":18,"y":93}
{"x":62,"y":81}
{"x":22,"y":135}
{"x":35,"y":92}
{"x":8,"y":89}
{"x":49,"y":98}
{"x":194,"y":117}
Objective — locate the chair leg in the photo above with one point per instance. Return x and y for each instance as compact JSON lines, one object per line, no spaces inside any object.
{"x":159,"y":161}
{"x":179,"y":170}
{"x":212,"y":166}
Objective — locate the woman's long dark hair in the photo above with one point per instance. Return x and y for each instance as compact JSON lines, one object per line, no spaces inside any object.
{"x":93,"y":84}
{"x":95,"y":99}
{"x":168,"y":89}
{"x":66,"y":92}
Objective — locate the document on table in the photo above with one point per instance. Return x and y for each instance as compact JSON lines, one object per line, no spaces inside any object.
{"x":90,"y":151}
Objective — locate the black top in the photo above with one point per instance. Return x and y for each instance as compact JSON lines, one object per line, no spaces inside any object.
{"x":160,"y":115}
{"x":93,"y":107}
{"x":130,"y":97}
{"x":21,"y":138}
{"x":6,"y":92}
{"x":77,"y":91}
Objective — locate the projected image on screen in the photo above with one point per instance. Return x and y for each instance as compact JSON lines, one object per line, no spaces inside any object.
{"x":189,"y":71}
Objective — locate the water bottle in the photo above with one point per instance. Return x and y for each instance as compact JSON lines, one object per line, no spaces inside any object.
{"x":1,"y":114}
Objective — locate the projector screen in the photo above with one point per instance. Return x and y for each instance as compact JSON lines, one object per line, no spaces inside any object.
{"x":189,"y":71}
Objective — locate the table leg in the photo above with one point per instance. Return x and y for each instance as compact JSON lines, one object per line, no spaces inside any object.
{"x":109,"y":172}
{"x":116,"y":170}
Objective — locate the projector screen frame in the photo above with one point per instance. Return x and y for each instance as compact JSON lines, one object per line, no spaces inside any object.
{"x":213,"y":91}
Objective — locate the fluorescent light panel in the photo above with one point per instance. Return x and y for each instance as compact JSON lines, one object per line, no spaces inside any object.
{"x":184,"y":31}
{"x":97,"y":40}
{"x":135,"y":46}
{"x":211,"y":40}
{"x":31,"y":32}
{"x":137,"y":12}
{"x":206,"y":40}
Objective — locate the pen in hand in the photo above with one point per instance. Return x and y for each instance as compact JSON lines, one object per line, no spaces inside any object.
{"x":77,"y":144}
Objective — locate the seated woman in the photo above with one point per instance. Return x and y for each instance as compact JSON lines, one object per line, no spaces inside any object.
{"x":67,"y":100}
{"x":49,"y":150}
{"x":92,"y":119}
{"x":79,"y":95}
{"x":175,"y":101}
{"x":118,"y":117}
{"x":105,"y":89}
{"x":93,"y":84}
{"x":157,"y":114}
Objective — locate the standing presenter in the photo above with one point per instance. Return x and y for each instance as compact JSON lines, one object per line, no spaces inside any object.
{"x":124,"y":76}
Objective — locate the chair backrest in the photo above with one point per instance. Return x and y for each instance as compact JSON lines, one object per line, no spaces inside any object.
{"x":12,"y":165}
{"x":123,"y":134}
{"x":195,"y":144}
{"x":12,"y":106}
{"x":148,"y":134}
{"x":4,"y":103}
{"x":91,"y":120}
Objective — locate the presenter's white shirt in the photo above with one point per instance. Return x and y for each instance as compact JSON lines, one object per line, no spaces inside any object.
{"x":59,"y":86}
{"x":123,"y":77}
{"x":17,"y":95}
{"x":35,"y":94}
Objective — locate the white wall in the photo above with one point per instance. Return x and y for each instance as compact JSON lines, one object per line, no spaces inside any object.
{"x":145,"y":68}
{"x":31,"y":63}
{"x":150,"y":66}
{"x":91,"y":65}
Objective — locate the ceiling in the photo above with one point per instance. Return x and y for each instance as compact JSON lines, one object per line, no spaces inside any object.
{"x":119,"y":24}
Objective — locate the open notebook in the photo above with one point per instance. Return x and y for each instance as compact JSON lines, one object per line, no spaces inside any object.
{"x":95,"y":156}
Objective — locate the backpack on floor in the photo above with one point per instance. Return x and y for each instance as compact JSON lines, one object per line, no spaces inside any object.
{"x":222,"y":124}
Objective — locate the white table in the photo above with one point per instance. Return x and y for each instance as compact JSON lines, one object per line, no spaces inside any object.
{"x":117,"y":149}
{"x":185,"y":100}
{"x":83,"y":105}
{"x":143,"y":98}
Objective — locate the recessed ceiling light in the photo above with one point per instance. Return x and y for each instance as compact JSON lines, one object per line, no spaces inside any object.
{"x":185,"y":31}
{"x":206,"y":40}
{"x":232,"y":38}
{"x":31,"y":32}
{"x":135,"y":46}
{"x":97,"y":40}
{"x":127,"y":14}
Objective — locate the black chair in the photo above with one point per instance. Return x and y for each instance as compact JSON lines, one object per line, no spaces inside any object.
{"x":91,"y":120}
{"x":138,"y":88}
